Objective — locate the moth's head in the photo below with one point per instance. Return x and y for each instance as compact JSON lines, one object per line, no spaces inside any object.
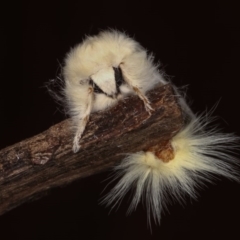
{"x":107,"y":81}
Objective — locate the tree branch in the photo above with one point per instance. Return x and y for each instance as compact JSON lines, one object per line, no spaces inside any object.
{"x":32,"y":166}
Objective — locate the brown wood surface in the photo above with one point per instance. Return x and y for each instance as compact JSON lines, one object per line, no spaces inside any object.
{"x":31,"y":167}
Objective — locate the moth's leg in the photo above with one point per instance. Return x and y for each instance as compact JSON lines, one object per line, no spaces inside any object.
{"x":82,"y":121}
{"x":144,"y":98}
{"x":80,"y":129}
{"x":138,"y":91}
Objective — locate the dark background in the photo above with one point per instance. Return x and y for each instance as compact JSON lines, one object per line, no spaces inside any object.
{"x":199,"y":45}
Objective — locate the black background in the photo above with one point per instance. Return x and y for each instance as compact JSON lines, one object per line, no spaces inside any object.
{"x":199,"y":45}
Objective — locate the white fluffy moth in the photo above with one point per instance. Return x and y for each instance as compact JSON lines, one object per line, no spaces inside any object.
{"x":110,"y":66}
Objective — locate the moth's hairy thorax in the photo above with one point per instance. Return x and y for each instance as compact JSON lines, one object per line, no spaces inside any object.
{"x":102,"y":70}
{"x":97,"y":53}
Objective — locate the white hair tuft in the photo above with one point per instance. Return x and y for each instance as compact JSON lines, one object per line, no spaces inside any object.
{"x":199,"y":156}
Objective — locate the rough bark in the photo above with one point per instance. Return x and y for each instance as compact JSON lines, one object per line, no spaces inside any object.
{"x":32,"y":166}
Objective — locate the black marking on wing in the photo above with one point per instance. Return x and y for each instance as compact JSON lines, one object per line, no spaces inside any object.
{"x":96,"y":88}
{"x":118,"y":78}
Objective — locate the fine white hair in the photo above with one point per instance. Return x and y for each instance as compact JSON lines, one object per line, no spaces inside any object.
{"x":200,"y":155}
